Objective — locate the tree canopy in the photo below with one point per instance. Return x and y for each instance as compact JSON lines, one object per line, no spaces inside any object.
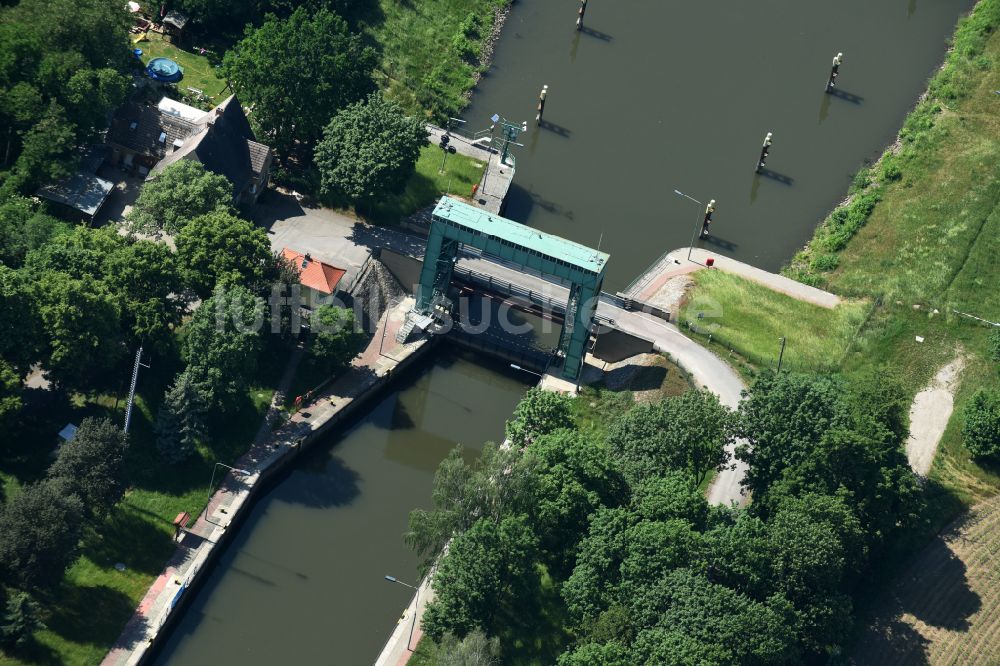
{"x":336,"y":337}
{"x":369,"y":150}
{"x":220,"y":248}
{"x":982,"y":424}
{"x":222,"y":342}
{"x":183,"y":191}
{"x":92,"y":463}
{"x":296,"y":73}
{"x":59,"y":80}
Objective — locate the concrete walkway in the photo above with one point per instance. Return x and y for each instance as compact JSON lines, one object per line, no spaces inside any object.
{"x":929,"y":415}
{"x":676,"y":263}
{"x":270,"y":451}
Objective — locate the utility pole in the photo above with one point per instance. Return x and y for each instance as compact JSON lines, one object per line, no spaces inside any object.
{"x":131,"y":390}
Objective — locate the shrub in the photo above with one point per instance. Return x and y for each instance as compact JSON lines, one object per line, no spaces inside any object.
{"x":825,"y":262}
{"x":994,"y":345}
{"x":982,"y":425}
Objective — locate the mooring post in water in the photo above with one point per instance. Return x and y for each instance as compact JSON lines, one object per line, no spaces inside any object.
{"x":579,"y":16}
{"x":709,"y":209}
{"x":764,"y":151}
{"x":541,"y":103}
{"x":834,"y":71}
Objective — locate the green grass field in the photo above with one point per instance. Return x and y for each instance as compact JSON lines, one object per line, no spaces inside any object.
{"x":750,"y":320}
{"x":436,"y":76}
{"x":427,"y":184}
{"x":199,"y":70}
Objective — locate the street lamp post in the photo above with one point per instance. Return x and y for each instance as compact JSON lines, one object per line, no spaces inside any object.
{"x":530,"y":372}
{"x":416,"y":607}
{"x":697,"y":226}
{"x":212,"y":482}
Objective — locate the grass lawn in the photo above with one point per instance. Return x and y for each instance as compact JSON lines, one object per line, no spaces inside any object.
{"x":750,"y":320}
{"x":430,"y":51}
{"x":427,"y":184}
{"x":199,"y":70}
{"x":87,"y":613}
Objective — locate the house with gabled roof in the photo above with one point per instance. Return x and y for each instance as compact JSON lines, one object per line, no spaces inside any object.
{"x":151,"y":138}
{"x":319,"y":279}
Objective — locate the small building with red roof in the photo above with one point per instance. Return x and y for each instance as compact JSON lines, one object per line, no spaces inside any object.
{"x":319,"y":280}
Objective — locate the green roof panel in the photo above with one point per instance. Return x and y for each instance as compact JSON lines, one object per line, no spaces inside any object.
{"x":478,"y":220}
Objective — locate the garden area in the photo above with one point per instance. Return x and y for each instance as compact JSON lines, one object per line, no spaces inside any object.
{"x":201,"y":70}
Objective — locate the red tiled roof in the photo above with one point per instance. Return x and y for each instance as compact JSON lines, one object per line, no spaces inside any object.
{"x":314,"y":273}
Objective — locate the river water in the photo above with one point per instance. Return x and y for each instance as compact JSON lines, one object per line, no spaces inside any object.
{"x":302,"y":581}
{"x":652,"y":96}
{"x":657,"y":95}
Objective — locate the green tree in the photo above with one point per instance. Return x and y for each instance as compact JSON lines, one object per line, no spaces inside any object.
{"x":805,"y":435}
{"x":336,"y":337}
{"x":488,"y":574}
{"x":183,"y":191}
{"x":222,"y":343}
{"x":180,"y":423}
{"x":538,"y":413}
{"x":221,"y":249}
{"x":46,"y":152}
{"x":688,"y":432}
{"x":611,"y":653}
{"x":10,"y":396}
{"x":40,"y":531}
{"x":369,"y":150}
{"x":21,"y":619}
{"x":296,"y":73}
{"x":499,"y":483}
{"x":23,"y":227}
{"x":982,"y":424}
{"x":80,"y":323}
{"x":93,"y":465}
{"x":592,"y":587}
{"x":141,"y":275}
{"x":473,"y":650}
{"x":575,"y":476}
{"x":20,"y":327}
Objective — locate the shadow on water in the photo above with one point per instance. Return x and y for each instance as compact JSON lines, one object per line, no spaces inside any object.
{"x":558,"y":130}
{"x":719,"y":243}
{"x":776,"y":177}
{"x":596,"y":34}
{"x":333,"y":485}
{"x":846,"y":96}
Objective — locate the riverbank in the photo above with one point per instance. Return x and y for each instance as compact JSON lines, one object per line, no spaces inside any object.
{"x":201,"y":543}
{"x":919,"y":237}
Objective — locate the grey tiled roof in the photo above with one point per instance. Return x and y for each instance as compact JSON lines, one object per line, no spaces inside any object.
{"x":138,"y":128}
{"x":258,"y":155}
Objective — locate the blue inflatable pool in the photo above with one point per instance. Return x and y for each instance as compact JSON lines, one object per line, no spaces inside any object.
{"x":164,"y":69}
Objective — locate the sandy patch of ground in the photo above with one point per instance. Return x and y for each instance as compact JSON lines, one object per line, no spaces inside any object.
{"x":929,"y":415}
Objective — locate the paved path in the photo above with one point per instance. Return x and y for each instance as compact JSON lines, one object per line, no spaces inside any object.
{"x":929,"y":415}
{"x":676,"y":263}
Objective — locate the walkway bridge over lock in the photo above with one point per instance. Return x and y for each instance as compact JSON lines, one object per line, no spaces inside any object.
{"x":455,"y":224}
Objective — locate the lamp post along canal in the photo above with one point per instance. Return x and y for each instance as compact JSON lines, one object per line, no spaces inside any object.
{"x":702,"y":223}
{"x":217,"y":465}
{"x":416,"y":606}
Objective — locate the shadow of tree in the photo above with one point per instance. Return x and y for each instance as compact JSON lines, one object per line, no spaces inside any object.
{"x":130,"y":538}
{"x":90,"y":615}
{"x":324,"y":486}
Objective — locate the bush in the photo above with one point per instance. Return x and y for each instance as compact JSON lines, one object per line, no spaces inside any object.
{"x":337,"y":337}
{"x":890,"y":170}
{"x":982,"y":425}
{"x":825,"y":262}
{"x":994,"y":345}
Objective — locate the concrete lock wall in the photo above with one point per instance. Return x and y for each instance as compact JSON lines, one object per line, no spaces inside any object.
{"x":404,"y":268}
{"x":614,"y":346}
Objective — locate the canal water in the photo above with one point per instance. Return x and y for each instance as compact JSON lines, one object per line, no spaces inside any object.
{"x":660,"y":95}
{"x":302,"y":581}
